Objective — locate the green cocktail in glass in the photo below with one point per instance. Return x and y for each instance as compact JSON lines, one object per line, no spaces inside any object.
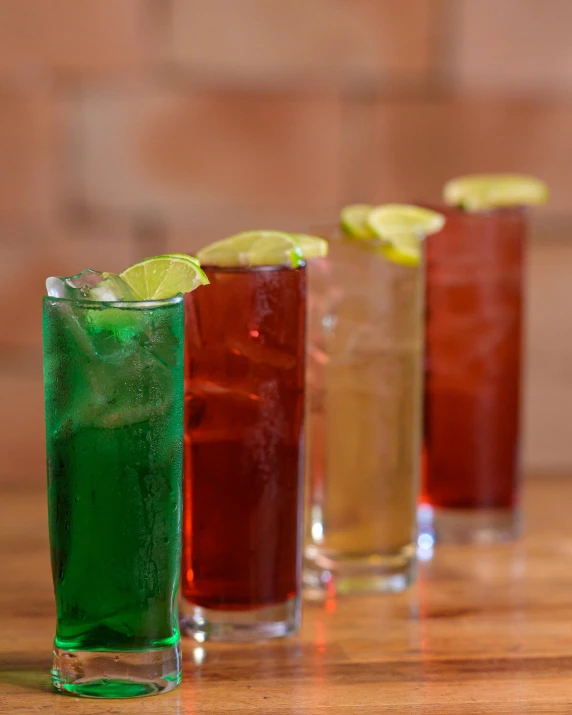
{"x":114,"y":424}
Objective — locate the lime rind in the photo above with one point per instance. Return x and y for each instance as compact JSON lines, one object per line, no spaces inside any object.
{"x":182,"y":256}
{"x":353,"y":220}
{"x":254,"y":248}
{"x":479,"y":192}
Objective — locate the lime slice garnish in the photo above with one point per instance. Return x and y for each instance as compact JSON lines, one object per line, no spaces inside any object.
{"x":402,"y":248}
{"x":163,"y":277}
{"x":184,"y":256}
{"x":254,"y":248}
{"x":353,"y":220}
{"x":312,"y":246}
{"x":401,"y":228}
{"x":395,"y":230}
{"x":398,"y":219}
{"x":485,"y":191}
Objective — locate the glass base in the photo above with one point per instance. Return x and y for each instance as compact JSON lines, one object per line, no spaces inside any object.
{"x":208,"y":624}
{"x":467,"y":526}
{"x":116,"y":674}
{"x":327,"y":576}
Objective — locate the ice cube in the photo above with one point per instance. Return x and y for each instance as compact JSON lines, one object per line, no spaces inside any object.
{"x":89,"y":285}
{"x":85,"y":280}
{"x":74,"y":287}
{"x":111,"y":288}
{"x":58,"y":288}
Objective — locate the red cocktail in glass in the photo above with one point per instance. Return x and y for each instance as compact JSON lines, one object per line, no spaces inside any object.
{"x":244,"y":388}
{"x":472,"y":388}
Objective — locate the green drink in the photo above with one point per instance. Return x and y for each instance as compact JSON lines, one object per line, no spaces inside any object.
{"x":114,"y":424}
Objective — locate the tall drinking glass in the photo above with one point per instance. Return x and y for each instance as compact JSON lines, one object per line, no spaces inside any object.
{"x":243,"y":454}
{"x":364,"y":382}
{"x":472,"y":395}
{"x":114,"y":424}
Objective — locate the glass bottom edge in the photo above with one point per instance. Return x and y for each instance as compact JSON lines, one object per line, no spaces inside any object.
{"x":467,"y":526}
{"x":209,"y":624}
{"x":116,"y":674}
{"x":339,"y":575}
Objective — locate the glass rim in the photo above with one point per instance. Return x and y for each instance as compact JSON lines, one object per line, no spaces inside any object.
{"x":121,"y":304}
{"x":253,"y":268}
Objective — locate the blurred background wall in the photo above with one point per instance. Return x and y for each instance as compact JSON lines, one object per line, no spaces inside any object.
{"x":134,"y":127}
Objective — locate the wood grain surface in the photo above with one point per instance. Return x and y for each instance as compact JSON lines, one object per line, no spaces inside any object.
{"x":485,"y":630}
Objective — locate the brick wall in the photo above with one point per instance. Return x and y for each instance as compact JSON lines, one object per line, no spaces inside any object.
{"x":129,"y":127}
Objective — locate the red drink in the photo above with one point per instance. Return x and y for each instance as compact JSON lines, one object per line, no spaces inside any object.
{"x":473,"y":355}
{"x":245,"y":339}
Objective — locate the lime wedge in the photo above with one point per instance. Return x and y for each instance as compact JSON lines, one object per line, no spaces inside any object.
{"x":485,"y":191}
{"x":254,"y":248}
{"x":395,"y":230}
{"x":163,"y":277}
{"x":353,"y":220}
{"x":312,"y":246}
{"x":403,"y":248}
{"x":398,"y":219}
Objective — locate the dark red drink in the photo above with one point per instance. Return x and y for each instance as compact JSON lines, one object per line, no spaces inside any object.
{"x":473,"y":355}
{"x":245,"y":339}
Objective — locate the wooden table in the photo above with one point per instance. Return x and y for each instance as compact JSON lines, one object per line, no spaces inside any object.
{"x":485,"y":630}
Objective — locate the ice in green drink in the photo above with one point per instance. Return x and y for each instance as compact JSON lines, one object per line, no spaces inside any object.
{"x":114,"y":425}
